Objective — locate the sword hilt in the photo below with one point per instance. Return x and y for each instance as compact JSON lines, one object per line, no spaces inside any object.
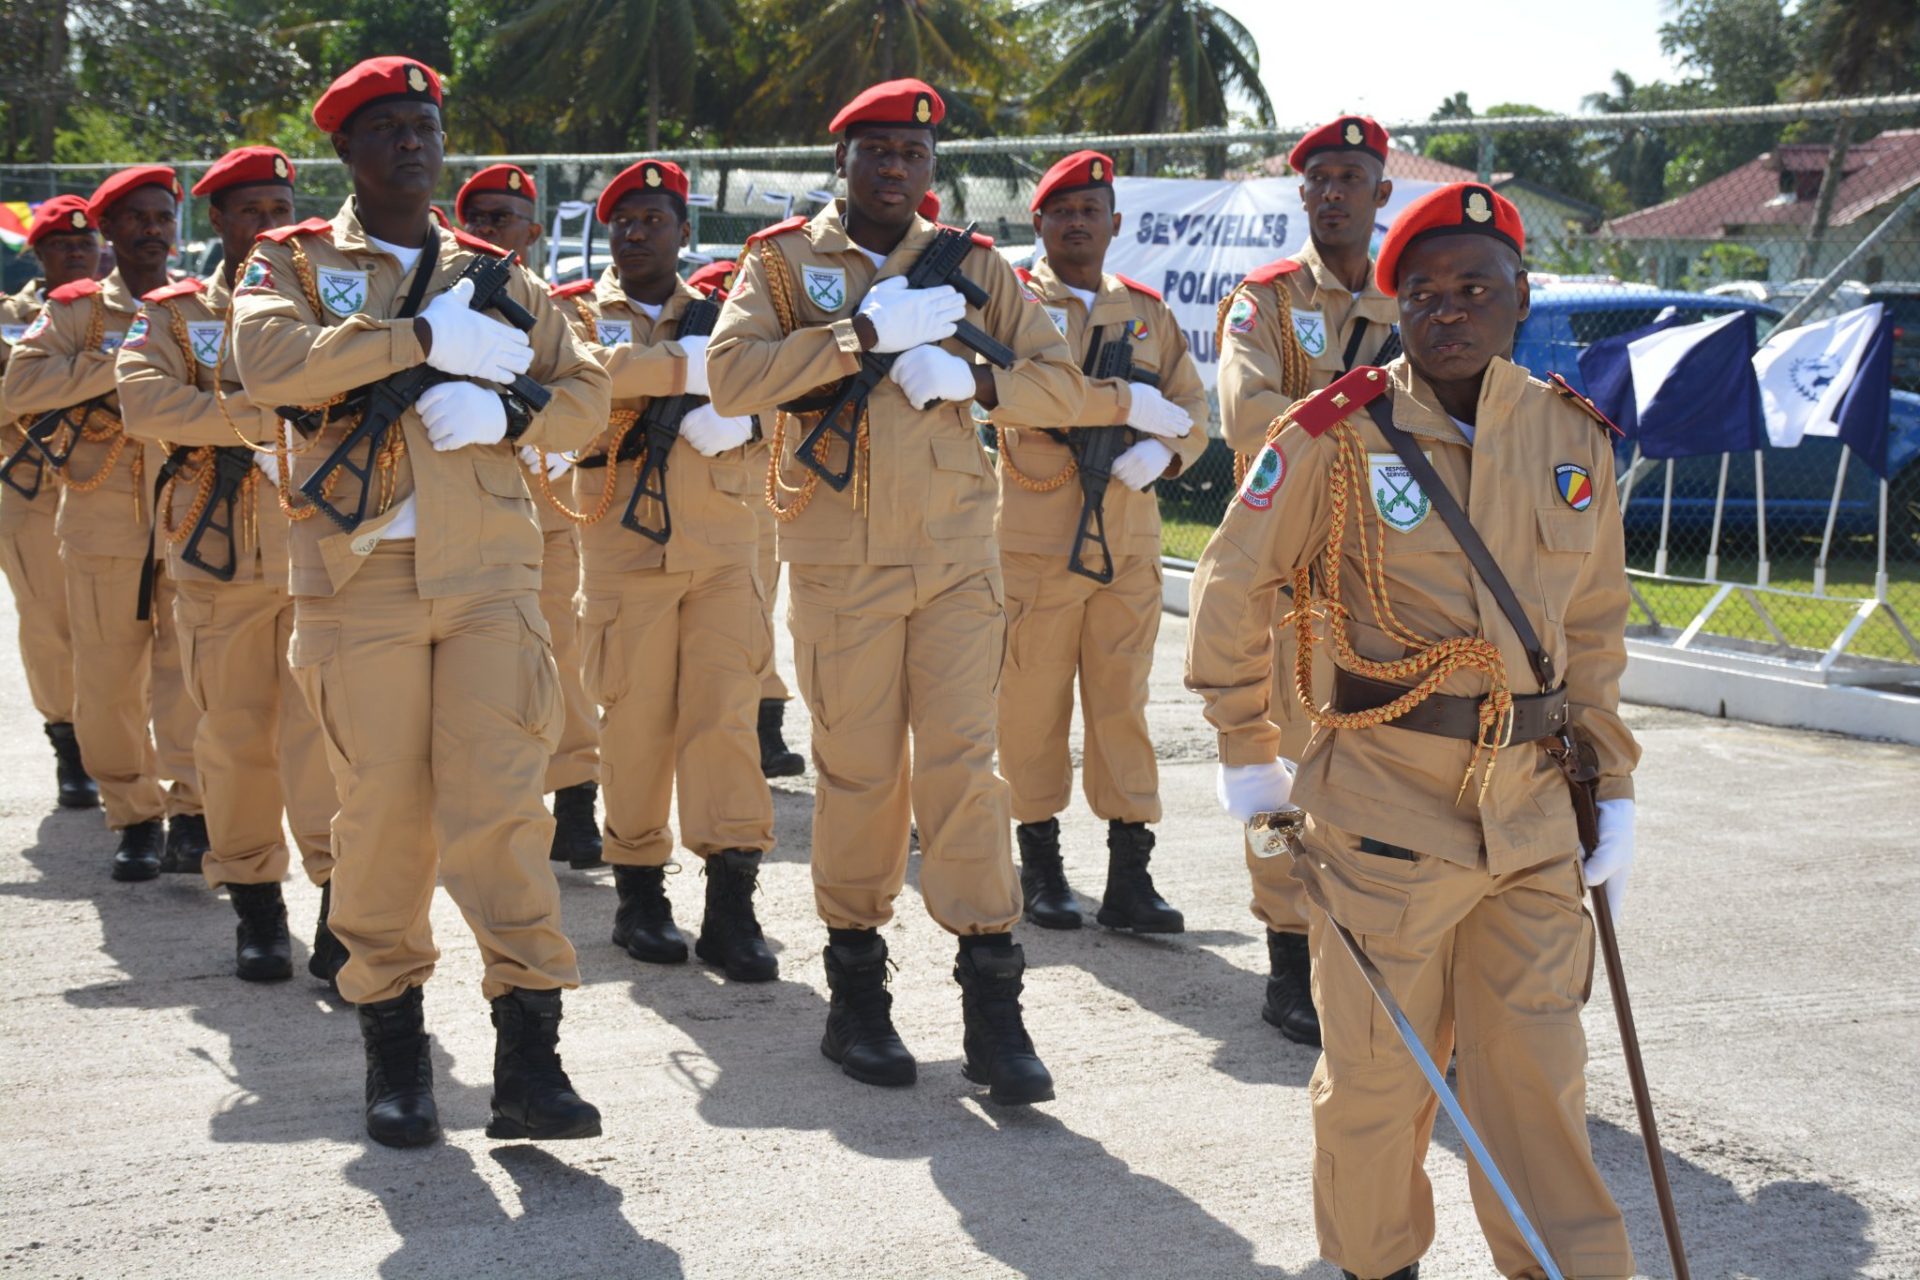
{"x":1276,"y":831}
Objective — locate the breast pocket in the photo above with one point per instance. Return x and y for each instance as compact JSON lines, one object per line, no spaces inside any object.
{"x":509,"y":529}
{"x":735,"y":494}
{"x":1566,"y":540}
{"x":960,"y":496}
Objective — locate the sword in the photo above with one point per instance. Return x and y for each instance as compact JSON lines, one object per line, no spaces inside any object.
{"x":1271,"y":834}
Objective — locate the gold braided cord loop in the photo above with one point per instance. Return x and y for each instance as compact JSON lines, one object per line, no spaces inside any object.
{"x":1059,"y":480}
{"x":619,"y":422}
{"x":1429,"y":662}
{"x":780,"y":287}
{"x":1296,"y":370}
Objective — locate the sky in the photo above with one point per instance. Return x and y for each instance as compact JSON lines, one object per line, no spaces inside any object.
{"x":1409,"y":55}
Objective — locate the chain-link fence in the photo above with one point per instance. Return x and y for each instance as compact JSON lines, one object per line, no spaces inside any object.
{"x":1633,"y":220}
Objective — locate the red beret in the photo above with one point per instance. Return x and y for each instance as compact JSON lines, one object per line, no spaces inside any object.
{"x":899,"y":104}
{"x":375,"y":80}
{"x":508,"y":179}
{"x":930,"y":206}
{"x":62,"y":215}
{"x":714,"y":278}
{"x":246,"y":167}
{"x":1348,"y":133}
{"x":130,"y":180}
{"x":1459,"y":208}
{"x":1078,"y":172}
{"x":646,"y":175}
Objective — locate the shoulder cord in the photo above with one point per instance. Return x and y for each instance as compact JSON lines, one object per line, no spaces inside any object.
{"x":1296,"y":370}
{"x":1065,"y":475}
{"x":98,"y":425}
{"x":780,"y":286}
{"x":199,"y":468}
{"x":1438,"y":659}
{"x":619,"y":422}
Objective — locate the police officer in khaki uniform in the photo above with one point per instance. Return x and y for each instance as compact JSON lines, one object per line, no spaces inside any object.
{"x":1442,"y":835}
{"x":898,"y":612}
{"x":777,"y":760}
{"x":1323,"y":304}
{"x":675,"y":615}
{"x":1063,"y":620}
{"x":126,"y":667}
{"x":497,"y":204}
{"x":63,"y":237}
{"x":418,"y":640}
{"x":257,"y":749}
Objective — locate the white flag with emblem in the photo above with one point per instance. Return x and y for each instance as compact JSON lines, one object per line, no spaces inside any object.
{"x":1805,"y":374}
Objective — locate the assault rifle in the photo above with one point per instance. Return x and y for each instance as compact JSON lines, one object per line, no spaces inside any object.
{"x":939,"y":263}
{"x":384,"y":401}
{"x":1094,"y":451}
{"x":231,"y":466}
{"x":38,"y":448}
{"x":658,"y":428}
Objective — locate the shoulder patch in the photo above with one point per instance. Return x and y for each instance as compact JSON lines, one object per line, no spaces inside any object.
{"x":572,"y":288}
{"x":1026,"y":276}
{"x":778,"y":229}
{"x":311,"y":227}
{"x":178,"y":289}
{"x":476,"y":244}
{"x":74,"y":290}
{"x":1564,"y":389}
{"x":1323,"y":408}
{"x":1137,"y":287}
{"x":1272,"y":271}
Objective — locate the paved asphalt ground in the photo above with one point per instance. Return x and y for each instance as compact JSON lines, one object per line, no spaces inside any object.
{"x":164,"y":1120}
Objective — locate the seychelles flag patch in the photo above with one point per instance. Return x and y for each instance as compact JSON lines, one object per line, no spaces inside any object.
{"x":1137,"y":329}
{"x":1575,"y":485}
{"x":1264,"y":478}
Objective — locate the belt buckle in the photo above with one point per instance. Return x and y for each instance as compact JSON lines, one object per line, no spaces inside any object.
{"x":1506,"y":737}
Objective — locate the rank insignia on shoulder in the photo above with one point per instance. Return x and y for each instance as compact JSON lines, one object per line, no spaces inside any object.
{"x":1137,"y":287}
{"x":1272,"y":271}
{"x":572,"y":288}
{"x":1565,"y":391}
{"x":778,"y":229}
{"x":74,"y":290}
{"x":178,"y":289}
{"x":1575,"y":485}
{"x":1319,"y":411}
{"x":311,"y":227}
{"x":478,"y":245}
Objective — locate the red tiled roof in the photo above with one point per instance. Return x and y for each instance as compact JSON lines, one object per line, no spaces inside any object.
{"x":1877,"y":171}
{"x":1410,"y":165}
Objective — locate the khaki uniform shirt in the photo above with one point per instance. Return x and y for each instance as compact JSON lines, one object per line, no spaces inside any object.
{"x":56,"y":367}
{"x":168,"y":370}
{"x":477,"y":530}
{"x":1567,"y":566}
{"x":17,"y":312}
{"x":1322,"y":312}
{"x":712,"y":499}
{"x":1045,"y":523}
{"x":931,"y":494}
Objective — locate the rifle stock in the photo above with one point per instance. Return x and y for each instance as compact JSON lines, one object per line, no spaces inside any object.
{"x":1094,"y":451}
{"x":231,"y":466}
{"x":38,"y":448}
{"x":659,"y":426}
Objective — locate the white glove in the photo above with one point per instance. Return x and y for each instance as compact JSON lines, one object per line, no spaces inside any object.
{"x":269,"y":466}
{"x":1156,"y":415}
{"x":472,"y":344}
{"x":1141,"y":465}
{"x":555,"y":464}
{"x":928,"y":374}
{"x":696,"y":349}
{"x":1247,"y":789}
{"x":904,"y":318}
{"x":1609,"y":863}
{"x":458,"y":414}
{"x":710,"y":433}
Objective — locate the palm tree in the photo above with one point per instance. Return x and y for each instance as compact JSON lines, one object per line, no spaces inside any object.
{"x":1144,"y":66}
{"x":1637,"y":158}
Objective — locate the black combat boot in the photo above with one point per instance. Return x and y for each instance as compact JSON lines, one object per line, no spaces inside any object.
{"x":532,"y":1097}
{"x":400,"y":1108}
{"x":329,"y":956}
{"x":776,"y":761}
{"x":78,"y":790}
{"x":262,"y":951}
{"x":1131,"y":902}
{"x":729,"y":934}
{"x":138,"y":857}
{"x":1289,"y":1003}
{"x":1043,"y":877}
{"x":576,"y":832}
{"x":860,"y":1035}
{"x":1409,"y":1272}
{"x":643,"y":922}
{"x":186,"y":844}
{"x":999,"y":1051}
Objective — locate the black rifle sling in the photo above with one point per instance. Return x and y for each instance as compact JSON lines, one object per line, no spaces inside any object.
{"x":422,"y":272}
{"x":143,"y":606}
{"x":1353,"y":345}
{"x":1467,"y":536}
{"x":1086,"y":371}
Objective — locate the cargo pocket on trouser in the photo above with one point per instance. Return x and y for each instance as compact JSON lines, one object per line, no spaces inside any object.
{"x":191,"y":617}
{"x":543,"y":708}
{"x":601,"y":668}
{"x":313,"y":655}
{"x":811,"y":628}
{"x":998,"y":588}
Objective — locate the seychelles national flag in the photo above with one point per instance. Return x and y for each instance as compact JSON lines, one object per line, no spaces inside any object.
{"x":1680,"y":390}
{"x":15,"y":219}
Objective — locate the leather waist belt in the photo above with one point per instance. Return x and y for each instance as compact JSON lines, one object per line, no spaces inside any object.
{"x":1535,"y":716}
{"x":593,"y":462}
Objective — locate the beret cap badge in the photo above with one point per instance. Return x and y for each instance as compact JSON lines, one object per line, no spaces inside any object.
{"x":416,"y":80}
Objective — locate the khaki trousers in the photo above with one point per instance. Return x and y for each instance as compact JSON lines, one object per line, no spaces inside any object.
{"x":127,"y":672}
{"x":577,"y":759}
{"x":439,"y":718}
{"x":884,"y":652}
{"x":30,"y":557}
{"x":1496,"y":969}
{"x":1279,"y":901}
{"x":1061,"y":624}
{"x":767,"y":563}
{"x":674,"y":659}
{"x":257,"y":749}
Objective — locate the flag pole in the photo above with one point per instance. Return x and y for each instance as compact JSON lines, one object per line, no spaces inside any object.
{"x":1626,"y":490}
{"x":1666,"y":517}
{"x":1764,"y":570}
{"x":1880,"y":568}
{"x":1833,"y":512}
{"x":1719,"y":506}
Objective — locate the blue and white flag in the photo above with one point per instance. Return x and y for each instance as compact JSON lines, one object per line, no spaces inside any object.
{"x":1680,"y":390}
{"x":1806,"y":376}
